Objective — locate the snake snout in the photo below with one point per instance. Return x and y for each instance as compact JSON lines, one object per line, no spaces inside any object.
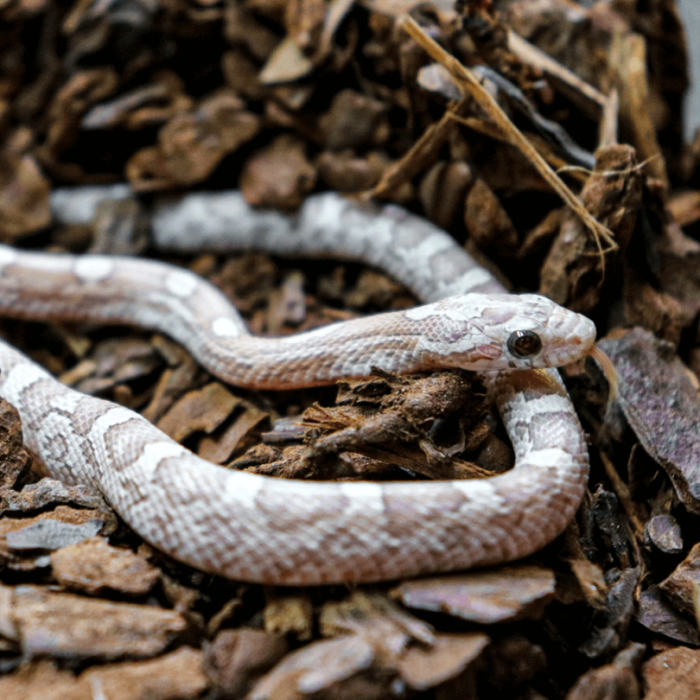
{"x":575,"y":337}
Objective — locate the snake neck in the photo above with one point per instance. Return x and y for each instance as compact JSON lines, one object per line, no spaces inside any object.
{"x":317,"y":358}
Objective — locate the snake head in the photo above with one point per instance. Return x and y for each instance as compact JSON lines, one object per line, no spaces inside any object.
{"x":501,"y":331}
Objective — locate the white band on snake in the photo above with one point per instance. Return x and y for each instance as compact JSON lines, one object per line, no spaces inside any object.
{"x":275,"y":531}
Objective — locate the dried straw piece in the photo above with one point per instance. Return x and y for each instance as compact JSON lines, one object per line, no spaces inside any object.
{"x":422,"y":152}
{"x":469,"y":84}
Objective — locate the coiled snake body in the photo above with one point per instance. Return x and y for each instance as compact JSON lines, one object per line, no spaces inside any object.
{"x":254,"y":528}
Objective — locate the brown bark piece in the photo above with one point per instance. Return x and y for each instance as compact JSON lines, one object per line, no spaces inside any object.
{"x":374,"y":289}
{"x":119,"y":228}
{"x":84,"y":89}
{"x":116,"y":361}
{"x":372,"y":647}
{"x":248,"y":280}
{"x":609,"y":626}
{"x":287,"y":304}
{"x":49,"y":533}
{"x":376,"y":617}
{"x":243,"y":28}
{"x":341,"y":668}
{"x":24,"y":197}
{"x":236,"y":659}
{"x":202,"y":410}
{"x":573,"y":271}
{"x":49,"y":493}
{"x":143,"y":107}
{"x":653,"y":309}
{"x":504,"y":594}
{"x":70,"y":626}
{"x":616,"y":680}
{"x":278,"y":176}
{"x":664,"y":533}
{"x":289,"y":613}
{"x":43,"y":680}
{"x":487,"y":221}
{"x":658,"y":615}
{"x":676,"y":261}
{"x":680,"y":585}
{"x":353,"y":121}
{"x":447,"y":658}
{"x":25,"y":542}
{"x":218,"y":448}
{"x":589,"y":577}
{"x":442,"y":193}
{"x":172,"y":384}
{"x":345,"y":172}
{"x":674,"y":673}
{"x":241,"y":74}
{"x":94,"y":567}
{"x":177,"y":676}
{"x":15,"y":460}
{"x":192,"y":144}
{"x":381,"y":416}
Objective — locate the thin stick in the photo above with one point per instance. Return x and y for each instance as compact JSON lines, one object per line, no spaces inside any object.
{"x":423,"y":150}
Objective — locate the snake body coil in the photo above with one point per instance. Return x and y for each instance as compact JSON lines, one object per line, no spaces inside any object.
{"x":254,"y":528}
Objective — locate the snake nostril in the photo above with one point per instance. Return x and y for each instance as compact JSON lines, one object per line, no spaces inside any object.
{"x":524,"y":343}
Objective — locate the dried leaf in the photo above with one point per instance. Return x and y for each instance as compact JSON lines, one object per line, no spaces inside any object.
{"x":648,"y":374}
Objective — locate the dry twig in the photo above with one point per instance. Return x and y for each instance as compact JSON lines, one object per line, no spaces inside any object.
{"x":471,"y":85}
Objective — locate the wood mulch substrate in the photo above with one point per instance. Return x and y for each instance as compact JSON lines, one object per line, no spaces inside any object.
{"x":281,"y":98}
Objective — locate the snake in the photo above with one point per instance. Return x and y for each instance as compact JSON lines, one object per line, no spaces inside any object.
{"x":261,"y":529}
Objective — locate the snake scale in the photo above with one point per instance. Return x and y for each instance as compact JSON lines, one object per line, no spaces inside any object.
{"x":275,"y":531}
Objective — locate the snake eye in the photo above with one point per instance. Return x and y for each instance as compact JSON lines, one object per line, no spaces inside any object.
{"x":524,"y":343}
